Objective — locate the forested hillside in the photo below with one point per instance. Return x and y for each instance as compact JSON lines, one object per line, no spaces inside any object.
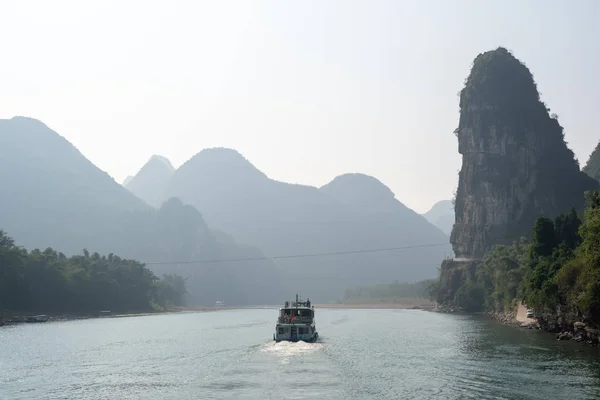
{"x":48,"y":281}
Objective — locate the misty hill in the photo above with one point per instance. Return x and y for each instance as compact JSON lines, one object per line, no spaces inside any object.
{"x":52,"y":196}
{"x":127,"y":180}
{"x":592,"y":168}
{"x":153,"y":175}
{"x":441,"y":215}
{"x":353,"y":212}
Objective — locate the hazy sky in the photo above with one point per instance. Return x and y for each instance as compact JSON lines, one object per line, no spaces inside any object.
{"x":306,"y":90}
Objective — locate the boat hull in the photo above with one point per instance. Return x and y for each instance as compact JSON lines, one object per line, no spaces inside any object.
{"x":312,"y":339}
{"x":295,"y":333}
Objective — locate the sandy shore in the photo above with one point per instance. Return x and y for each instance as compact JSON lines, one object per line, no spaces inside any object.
{"x":521,"y":315}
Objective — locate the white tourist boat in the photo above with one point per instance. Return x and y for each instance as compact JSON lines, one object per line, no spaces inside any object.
{"x":296,"y":322}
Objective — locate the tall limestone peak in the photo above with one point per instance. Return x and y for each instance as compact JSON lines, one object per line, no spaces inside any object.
{"x":516,"y":165}
{"x":592,"y":168}
{"x":362,"y":191}
{"x":164,"y":160}
{"x":149,"y":183}
{"x":222,"y":163}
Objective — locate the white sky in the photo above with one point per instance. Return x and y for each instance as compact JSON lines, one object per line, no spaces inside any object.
{"x":306,"y":90}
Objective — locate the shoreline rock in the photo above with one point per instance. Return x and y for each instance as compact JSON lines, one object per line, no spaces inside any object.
{"x":507,"y":318}
{"x":581,"y":333}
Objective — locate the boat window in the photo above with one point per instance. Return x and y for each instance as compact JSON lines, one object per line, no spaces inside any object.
{"x":297,"y":312}
{"x":280,"y":331}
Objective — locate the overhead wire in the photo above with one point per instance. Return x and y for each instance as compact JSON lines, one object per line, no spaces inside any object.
{"x":333,"y":253}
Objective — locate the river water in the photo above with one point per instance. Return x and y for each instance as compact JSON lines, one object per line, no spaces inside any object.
{"x":362,"y":354}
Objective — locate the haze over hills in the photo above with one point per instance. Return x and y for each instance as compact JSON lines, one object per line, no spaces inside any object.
{"x":52,"y":196}
{"x":353,"y":212}
{"x":441,"y":215}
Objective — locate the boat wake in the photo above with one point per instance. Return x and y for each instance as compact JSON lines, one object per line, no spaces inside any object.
{"x":287,"y":350}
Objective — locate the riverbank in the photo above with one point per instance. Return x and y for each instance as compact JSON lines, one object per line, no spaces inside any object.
{"x":516,"y":318}
{"x":384,"y":306}
{"x":578,"y":331}
{"x":21,"y":319}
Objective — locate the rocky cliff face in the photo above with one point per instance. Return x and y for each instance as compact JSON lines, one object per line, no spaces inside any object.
{"x":453,"y":274}
{"x":516,"y":165}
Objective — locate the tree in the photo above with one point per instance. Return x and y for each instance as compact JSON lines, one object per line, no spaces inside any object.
{"x":543,"y":238}
{"x":48,"y":281}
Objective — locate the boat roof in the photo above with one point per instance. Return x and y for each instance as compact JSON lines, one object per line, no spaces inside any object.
{"x":296,"y":308}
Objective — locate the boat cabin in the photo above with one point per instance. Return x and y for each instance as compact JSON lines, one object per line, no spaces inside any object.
{"x":302,"y":315}
{"x":298,"y":312}
{"x":296,"y":321}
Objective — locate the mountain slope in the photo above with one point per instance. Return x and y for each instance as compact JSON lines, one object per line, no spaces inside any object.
{"x":52,"y":196}
{"x":441,"y":215}
{"x":353,"y":212}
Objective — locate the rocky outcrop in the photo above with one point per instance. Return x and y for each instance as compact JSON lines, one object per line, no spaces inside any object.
{"x":516,"y":165}
{"x":567,"y":324}
{"x":453,"y":275}
{"x":580,"y":333}
{"x":505,"y":317}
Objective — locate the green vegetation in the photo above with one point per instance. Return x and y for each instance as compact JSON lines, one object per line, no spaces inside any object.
{"x":558,"y":271}
{"x":394,"y":291}
{"x":48,"y":281}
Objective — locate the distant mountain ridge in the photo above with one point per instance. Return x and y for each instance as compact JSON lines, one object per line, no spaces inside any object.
{"x":352,"y":212}
{"x":52,"y":196}
{"x":215,"y":207}
{"x":592,"y":167}
{"x":441,"y":215}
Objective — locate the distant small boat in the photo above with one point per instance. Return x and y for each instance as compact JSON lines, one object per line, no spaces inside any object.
{"x":37,"y":318}
{"x":296,"y":323}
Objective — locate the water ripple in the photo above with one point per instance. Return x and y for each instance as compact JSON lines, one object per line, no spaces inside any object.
{"x":361,"y":354}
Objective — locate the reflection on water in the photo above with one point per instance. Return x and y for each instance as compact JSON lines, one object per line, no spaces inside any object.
{"x":362,"y":354}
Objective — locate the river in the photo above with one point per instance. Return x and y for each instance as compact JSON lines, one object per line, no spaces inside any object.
{"x":362,"y":354}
